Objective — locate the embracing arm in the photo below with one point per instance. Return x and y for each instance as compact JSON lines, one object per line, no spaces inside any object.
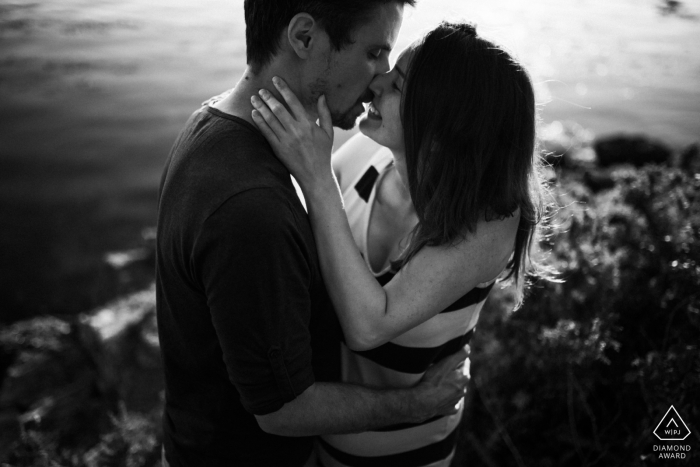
{"x":431,"y":281}
{"x":434,"y":278}
{"x":259,"y":302}
{"x":333,"y":408}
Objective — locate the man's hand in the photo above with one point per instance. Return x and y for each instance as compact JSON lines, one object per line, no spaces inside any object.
{"x":443,"y":386}
{"x":326,"y":408}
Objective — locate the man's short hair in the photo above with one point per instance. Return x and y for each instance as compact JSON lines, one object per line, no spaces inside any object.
{"x":266,"y":19}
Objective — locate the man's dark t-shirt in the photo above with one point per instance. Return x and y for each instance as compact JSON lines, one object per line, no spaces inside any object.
{"x":245,"y":322}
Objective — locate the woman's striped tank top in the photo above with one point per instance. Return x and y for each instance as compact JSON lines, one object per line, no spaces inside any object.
{"x":402,"y":361}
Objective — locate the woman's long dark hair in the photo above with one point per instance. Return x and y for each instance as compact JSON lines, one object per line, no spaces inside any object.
{"x":469,"y":118}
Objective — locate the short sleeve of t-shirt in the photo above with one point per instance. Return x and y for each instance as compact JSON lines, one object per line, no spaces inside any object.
{"x":256,"y":275}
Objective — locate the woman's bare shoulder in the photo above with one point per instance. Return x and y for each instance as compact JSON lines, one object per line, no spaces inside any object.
{"x":437,"y":276}
{"x":485,"y":251}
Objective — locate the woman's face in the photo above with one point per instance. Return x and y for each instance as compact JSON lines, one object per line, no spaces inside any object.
{"x":382,"y":122}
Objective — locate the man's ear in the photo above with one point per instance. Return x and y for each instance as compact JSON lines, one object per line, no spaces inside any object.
{"x":302,"y":34}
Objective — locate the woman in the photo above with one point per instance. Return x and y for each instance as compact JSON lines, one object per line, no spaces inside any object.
{"x":442,"y":201}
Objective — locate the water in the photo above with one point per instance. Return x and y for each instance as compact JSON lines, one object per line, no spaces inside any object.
{"x":93,"y":93}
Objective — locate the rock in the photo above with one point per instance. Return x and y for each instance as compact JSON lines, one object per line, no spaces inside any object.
{"x":46,"y":357}
{"x":134,"y":269}
{"x":637,"y":150}
{"x":9,"y":430}
{"x":52,"y":384}
{"x":67,"y":378}
{"x":128,"y":350}
{"x":598,"y":180}
{"x":133,"y":441}
{"x":675,"y":8}
{"x":690,"y":159}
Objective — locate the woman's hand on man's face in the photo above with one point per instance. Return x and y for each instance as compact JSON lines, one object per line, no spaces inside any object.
{"x":303,"y":146}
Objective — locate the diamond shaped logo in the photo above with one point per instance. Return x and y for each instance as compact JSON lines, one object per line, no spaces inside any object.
{"x":672,"y":427}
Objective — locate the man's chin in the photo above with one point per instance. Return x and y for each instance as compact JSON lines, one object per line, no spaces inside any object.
{"x":345,"y":123}
{"x":347,"y":120}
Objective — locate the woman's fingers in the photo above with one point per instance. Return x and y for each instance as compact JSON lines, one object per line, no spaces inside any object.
{"x":324,"y":116}
{"x":277,"y":108}
{"x":268,"y":116}
{"x":291,"y":98}
{"x":264,"y":127}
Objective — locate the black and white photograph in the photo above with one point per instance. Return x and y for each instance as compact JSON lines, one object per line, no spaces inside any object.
{"x":349,"y":233}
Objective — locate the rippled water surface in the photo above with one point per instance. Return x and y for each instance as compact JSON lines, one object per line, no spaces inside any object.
{"x":92,"y":94}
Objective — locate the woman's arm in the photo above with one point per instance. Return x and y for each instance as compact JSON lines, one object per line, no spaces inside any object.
{"x":434,"y":278}
{"x":431,"y":281}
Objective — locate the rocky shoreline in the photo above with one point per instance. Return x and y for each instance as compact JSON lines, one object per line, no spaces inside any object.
{"x":85,"y":390}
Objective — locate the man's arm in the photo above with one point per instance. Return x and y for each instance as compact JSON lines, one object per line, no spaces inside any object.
{"x":255,"y":269}
{"x":330,"y":408}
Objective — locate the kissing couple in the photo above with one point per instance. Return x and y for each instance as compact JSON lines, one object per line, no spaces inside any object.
{"x":330,"y":327}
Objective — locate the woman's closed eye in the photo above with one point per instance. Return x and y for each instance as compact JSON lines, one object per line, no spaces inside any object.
{"x":397,"y":81}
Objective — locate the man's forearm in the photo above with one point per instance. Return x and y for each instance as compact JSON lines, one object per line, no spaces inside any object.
{"x":326,"y":408}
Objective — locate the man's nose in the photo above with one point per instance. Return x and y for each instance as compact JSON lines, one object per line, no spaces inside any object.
{"x":375,"y":88}
{"x":378,"y":83}
{"x":383,"y":66}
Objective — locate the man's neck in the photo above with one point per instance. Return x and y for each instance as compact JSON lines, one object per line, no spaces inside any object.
{"x":238,"y":102}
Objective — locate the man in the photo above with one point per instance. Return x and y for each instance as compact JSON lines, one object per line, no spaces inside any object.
{"x":248,"y":336}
